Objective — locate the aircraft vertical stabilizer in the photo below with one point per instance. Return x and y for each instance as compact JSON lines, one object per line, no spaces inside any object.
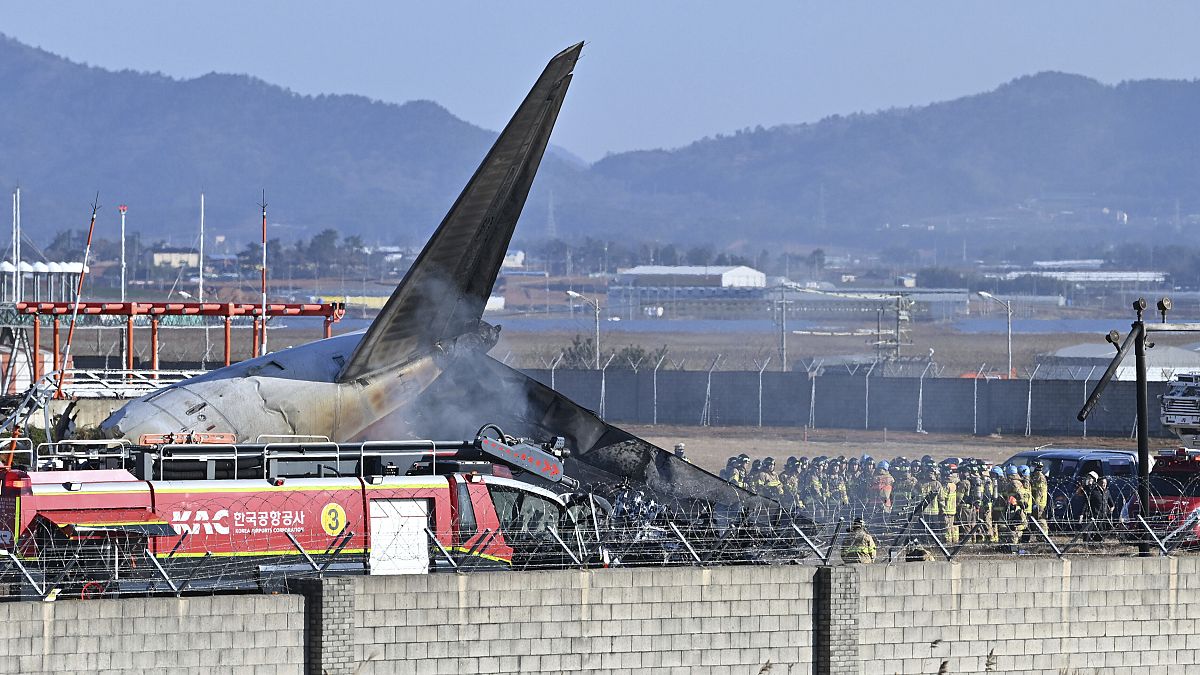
{"x":444,"y":293}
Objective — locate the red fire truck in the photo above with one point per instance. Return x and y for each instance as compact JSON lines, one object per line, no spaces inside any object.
{"x":104,"y":517}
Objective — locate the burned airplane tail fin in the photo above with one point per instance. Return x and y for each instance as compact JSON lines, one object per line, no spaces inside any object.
{"x":444,"y":293}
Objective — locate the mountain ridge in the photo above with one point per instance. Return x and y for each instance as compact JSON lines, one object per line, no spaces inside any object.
{"x":986,"y":165}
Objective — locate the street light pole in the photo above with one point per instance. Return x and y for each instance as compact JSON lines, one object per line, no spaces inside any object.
{"x":122,"y":208}
{"x":595,"y":307}
{"x":1007,"y":308}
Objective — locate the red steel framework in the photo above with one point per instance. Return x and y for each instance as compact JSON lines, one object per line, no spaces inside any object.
{"x":332,"y":313}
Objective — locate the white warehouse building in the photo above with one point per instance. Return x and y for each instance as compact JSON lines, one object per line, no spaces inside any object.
{"x":668,"y":276}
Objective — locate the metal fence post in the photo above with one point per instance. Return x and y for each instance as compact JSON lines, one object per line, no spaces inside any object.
{"x":1085,"y":396}
{"x":604,"y":382}
{"x":654,"y":381}
{"x":975,"y":401}
{"x":760,"y":387}
{"x":1029,"y":401}
{"x":813,"y":370}
{"x":706,"y":412}
{"x":867,"y":396}
{"x":937,"y":541}
{"x":921,"y":400}
{"x":554,"y":366}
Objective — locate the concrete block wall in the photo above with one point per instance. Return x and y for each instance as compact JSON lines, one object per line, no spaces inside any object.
{"x":250,"y":634}
{"x":721,"y":620}
{"x":1080,"y":615}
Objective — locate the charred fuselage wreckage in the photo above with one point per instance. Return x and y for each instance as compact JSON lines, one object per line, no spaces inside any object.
{"x":421,"y":370}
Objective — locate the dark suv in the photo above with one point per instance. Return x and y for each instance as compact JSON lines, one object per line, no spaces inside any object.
{"x":1066,"y":467}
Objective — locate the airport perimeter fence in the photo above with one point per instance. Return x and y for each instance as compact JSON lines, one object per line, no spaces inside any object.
{"x":259,"y":548}
{"x":857,"y":398}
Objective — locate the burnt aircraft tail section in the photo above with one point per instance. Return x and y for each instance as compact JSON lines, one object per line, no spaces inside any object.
{"x":443,"y":295}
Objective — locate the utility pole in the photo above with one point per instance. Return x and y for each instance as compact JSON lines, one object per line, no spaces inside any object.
{"x":15,"y":261}
{"x":17,"y":247}
{"x":1136,"y":340}
{"x":122,"y":208}
{"x":200,"y":291}
{"x":782,"y":306}
{"x":263,"y":343}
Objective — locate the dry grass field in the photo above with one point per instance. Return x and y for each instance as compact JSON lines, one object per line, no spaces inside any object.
{"x":957,"y":353}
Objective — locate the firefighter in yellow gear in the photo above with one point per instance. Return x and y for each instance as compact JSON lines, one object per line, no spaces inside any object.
{"x":1040,"y":492}
{"x":970,"y":496}
{"x":932,"y":493}
{"x":1016,"y":508}
{"x":790,"y":485}
{"x":766,"y":483}
{"x":859,"y":546}
{"x":740,"y":473}
{"x":993,"y":490}
{"x":835,"y":486}
{"x":904,"y":489}
{"x":950,"y":503}
{"x":731,"y":465}
{"x":812,"y":488}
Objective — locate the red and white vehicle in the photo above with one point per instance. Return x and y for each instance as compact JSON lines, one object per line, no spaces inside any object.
{"x":101,"y":516}
{"x":1174,"y":511}
{"x":1175,"y":489}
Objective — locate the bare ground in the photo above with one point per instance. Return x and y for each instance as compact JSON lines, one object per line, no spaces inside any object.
{"x":958,"y":353}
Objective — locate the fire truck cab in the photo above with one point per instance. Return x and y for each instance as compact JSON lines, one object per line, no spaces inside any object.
{"x":97,"y":517}
{"x":1175,"y":491}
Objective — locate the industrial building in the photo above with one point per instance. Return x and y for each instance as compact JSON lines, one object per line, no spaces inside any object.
{"x":1088,"y":361}
{"x":678,"y":291}
{"x":169,"y":256}
{"x":742,"y":292}
{"x":686,"y":276}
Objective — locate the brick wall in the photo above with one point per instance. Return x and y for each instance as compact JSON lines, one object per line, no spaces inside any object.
{"x":723,"y":620}
{"x":328,"y":624}
{"x":1082,"y":615}
{"x":835,"y":621}
{"x":252,"y":634}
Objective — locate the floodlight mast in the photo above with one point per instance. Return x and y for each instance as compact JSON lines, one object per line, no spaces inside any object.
{"x":1137,"y":341}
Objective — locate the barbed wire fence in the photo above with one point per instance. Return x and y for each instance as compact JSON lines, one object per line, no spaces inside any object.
{"x":260,"y":547}
{"x":910,"y":396}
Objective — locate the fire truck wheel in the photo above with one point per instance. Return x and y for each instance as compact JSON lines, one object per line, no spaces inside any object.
{"x":92,"y":590}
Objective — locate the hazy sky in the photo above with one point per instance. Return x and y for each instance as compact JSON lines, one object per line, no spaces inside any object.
{"x":655,"y":74}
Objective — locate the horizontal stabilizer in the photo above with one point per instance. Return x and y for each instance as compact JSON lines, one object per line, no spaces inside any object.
{"x":480,"y":389}
{"x":444,"y":293}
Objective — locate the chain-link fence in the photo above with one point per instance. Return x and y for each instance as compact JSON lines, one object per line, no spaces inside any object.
{"x":920,"y":396}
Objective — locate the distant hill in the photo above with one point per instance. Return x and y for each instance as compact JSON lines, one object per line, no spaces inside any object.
{"x":1059,"y":147}
{"x":1046,"y":153}
{"x":67,"y":130}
